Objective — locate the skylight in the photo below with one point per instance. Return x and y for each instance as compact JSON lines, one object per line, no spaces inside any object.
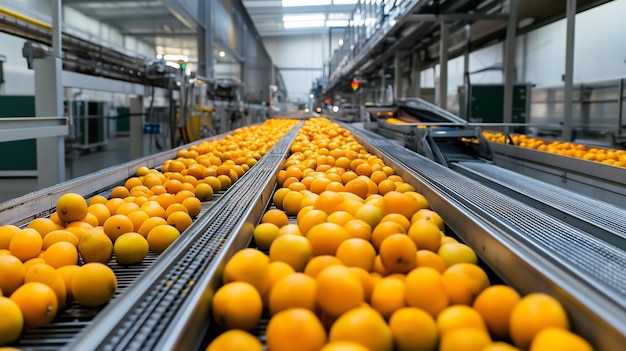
{"x":304,"y":24}
{"x":289,"y":3}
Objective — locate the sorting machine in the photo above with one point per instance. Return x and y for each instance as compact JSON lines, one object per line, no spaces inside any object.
{"x":164,"y":302}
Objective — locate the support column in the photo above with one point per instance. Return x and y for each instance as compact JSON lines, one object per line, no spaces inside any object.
{"x":49,"y":103}
{"x":205,"y":39}
{"x":397,"y":76}
{"x":382,"y":86}
{"x":569,"y":69}
{"x":443,"y":67}
{"x":466,"y":75}
{"x":136,"y":127}
{"x":509,"y":63}
{"x":416,"y":78}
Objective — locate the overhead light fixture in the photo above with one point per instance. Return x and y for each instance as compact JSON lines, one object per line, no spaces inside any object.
{"x":175,"y":58}
{"x":337,"y":23}
{"x":304,"y":24}
{"x":290,"y":3}
{"x":309,"y":17}
{"x":340,"y":41}
{"x":345,"y":2}
{"x":222,"y":54}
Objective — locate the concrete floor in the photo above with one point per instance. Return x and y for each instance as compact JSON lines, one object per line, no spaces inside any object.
{"x":115,"y":152}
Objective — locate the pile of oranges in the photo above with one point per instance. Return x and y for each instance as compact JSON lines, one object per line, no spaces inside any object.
{"x":66,"y":257}
{"x":352,"y":258}
{"x":611,"y":157}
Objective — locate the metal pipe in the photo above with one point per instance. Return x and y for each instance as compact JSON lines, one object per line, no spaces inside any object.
{"x":569,"y":69}
{"x":443,"y":66}
{"x":25,"y":19}
{"x":509,"y":63}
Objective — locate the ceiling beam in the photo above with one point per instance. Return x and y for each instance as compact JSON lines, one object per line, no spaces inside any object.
{"x":461,"y":17}
{"x":273,"y":10}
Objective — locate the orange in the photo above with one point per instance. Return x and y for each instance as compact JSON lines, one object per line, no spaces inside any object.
{"x":101,"y":211}
{"x":425,"y":290}
{"x":459,"y":316}
{"x":193,"y":205}
{"x":339,"y":217}
{"x":97,"y":199}
{"x":338,"y":290}
{"x":495,"y":305}
{"x":38,"y":303}
{"x":94,"y":284}
{"x":430,"y":259}
{"x":61,"y":254}
{"x":388,"y":296}
{"x":12,"y":321}
{"x":318,"y":263}
{"x":6,"y":234}
{"x":328,"y":201}
{"x":113,"y":204}
{"x":368,"y":281}
{"x":351,"y":326}
{"x":150,"y":223}
{"x":533,"y":313}
{"x":402,"y":203}
{"x":295,"y":326}
{"x":464,"y":339}
{"x":425,"y":234}
{"x":57,"y":236}
{"x":398,"y":218}
{"x":248,"y":265}
{"x":398,"y":253}
{"x":453,"y":253}
{"x":179,"y":220}
{"x":295,"y":250}
{"x":237,"y":305}
{"x":132,"y":182}
{"x":500,"y":346}
{"x":319,"y":185}
{"x":384,"y":230}
{"x":558,"y":339}
{"x":120,"y":191}
{"x":463,"y":282}
{"x":26,"y":244}
{"x":95,"y":246}
{"x":379,"y":268}
{"x":161,"y":237}
{"x":430,"y":216}
{"x":137,"y":217}
{"x":117,"y":225}
{"x":291,"y":202}
{"x":215,"y":184}
{"x":46,"y":274}
{"x":310,"y":219}
{"x":173,"y":186}
{"x":71,"y":207}
{"x":264,"y":234}
{"x":358,"y":187}
{"x":356,"y":252}
{"x":370,"y":214}
{"x":405,"y":321}
{"x":130,"y":248}
{"x":276,"y":271}
{"x":67,"y":273}
{"x":43,"y":225}
{"x":343,"y":346}
{"x":156,"y":208}
{"x":235,"y":340}
{"x":126,"y":208}
{"x":326,"y":237}
{"x":289,"y":229}
{"x":276,"y":217}
{"x":32,"y":262}
{"x":358,"y":229}
{"x":12,"y":273}
{"x":296,"y":290}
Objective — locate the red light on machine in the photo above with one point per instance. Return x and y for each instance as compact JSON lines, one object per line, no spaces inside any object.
{"x":327,"y":101}
{"x":355,"y":85}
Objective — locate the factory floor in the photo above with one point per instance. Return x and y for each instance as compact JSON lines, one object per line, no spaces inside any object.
{"x":116,"y":151}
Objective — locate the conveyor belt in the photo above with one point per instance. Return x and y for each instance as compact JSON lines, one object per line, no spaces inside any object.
{"x":542,"y":253}
{"x":598,"y":218}
{"x":140,"y":318}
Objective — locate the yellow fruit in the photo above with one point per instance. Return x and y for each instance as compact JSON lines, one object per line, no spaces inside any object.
{"x":204,"y":191}
{"x":403,"y":325}
{"x":46,"y":274}
{"x":6,"y":234}
{"x":150,"y":223}
{"x":32,"y":262}
{"x":425,"y":290}
{"x":318,"y":263}
{"x":356,"y":252}
{"x":67,"y":273}
{"x":402,"y":203}
{"x":264,"y":234}
{"x":364,"y":326}
{"x":161,"y":237}
{"x":130,"y":248}
{"x":276,"y":217}
{"x":94,"y":284}
{"x":43,"y":225}
{"x":464,"y":339}
{"x":425,"y":234}
{"x":453,"y":253}
{"x":57,"y":236}
{"x":430,"y":259}
{"x":237,"y":305}
{"x":117,"y":225}
{"x":61,"y":254}
{"x":398,"y":253}
{"x":296,"y":290}
{"x":193,"y":205}
{"x":71,"y":207}
{"x":38,"y":303}
{"x":343,"y":346}
{"x":291,"y":202}
{"x":495,"y":305}
{"x":26,"y":244}
{"x":557,"y":339}
{"x":500,"y":346}
{"x":463,"y":282}
{"x":251,"y":266}
{"x":338,"y":290}
{"x":326,"y":237}
{"x":12,"y":273}
{"x":532,"y":314}
{"x":370,"y":214}
{"x":459,"y":316}
{"x":358,"y":229}
{"x":388,"y":296}
{"x":295,"y":250}
{"x":295,"y":326}
{"x":95,"y":246}
{"x":12,"y":321}
{"x":235,"y":340}
{"x":179,"y":220}
{"x":310,"y":219}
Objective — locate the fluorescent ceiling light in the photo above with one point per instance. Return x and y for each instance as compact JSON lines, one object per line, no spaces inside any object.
{"x":337,"y":23}
{"x":309,"y":17}
{"x":304,"y":24}
{"x":288,"y":3}
{"x":345,"y":2}
{"x":176,"y":58}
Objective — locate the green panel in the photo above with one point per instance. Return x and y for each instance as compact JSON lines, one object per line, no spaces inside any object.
{"x":18,"y":155}
{"x":488,"y":104}
{"x":123,"y":123}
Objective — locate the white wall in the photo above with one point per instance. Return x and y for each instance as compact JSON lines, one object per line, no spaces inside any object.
{"x":19,"y":80}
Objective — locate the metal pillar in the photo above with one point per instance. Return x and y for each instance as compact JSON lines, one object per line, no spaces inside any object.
{"x":136,"y":127}
{"x":466,"y":75}
{"x":49,"y":103}
{"x":415,"y":87}
{"x":569,"y":69}
{"x":509,"y":63}
{"x":443,"y":67}
{"x":397,"y":76}
{"x":382,"y":86}
{"x":205,"y":39}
